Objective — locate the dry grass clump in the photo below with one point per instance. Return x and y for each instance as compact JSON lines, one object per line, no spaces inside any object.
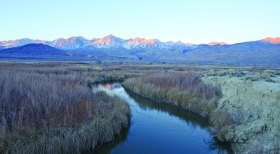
{"x":184,"y":89}
{"x":51,"y":111}
{"x":222,"y":121}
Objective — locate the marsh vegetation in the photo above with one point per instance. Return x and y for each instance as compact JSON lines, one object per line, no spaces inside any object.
{"x":184,"y":89}
{"x":51,"y":109}
{"x":52,"y":103}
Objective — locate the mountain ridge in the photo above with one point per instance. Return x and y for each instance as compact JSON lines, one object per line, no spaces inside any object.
{"x":110,"y":41}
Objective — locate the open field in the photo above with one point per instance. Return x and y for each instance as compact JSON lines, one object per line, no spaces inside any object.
{"x":41,"y":102}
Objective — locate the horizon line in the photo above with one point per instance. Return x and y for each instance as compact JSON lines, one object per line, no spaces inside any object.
{"x":147,"y":38}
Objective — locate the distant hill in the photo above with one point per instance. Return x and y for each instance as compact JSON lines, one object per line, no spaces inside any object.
{"x":34,"y":49}
{"x":31,"y":51}
{"x":247,"y":53}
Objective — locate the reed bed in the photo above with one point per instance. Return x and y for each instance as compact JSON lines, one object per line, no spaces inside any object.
{"x":51,"y":109}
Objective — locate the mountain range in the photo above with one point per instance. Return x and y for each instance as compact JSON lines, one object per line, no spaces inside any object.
{"x":110,"y":41}
{"x":111,"y":48}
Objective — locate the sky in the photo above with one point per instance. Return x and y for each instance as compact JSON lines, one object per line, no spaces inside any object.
{"x":191,"y":21}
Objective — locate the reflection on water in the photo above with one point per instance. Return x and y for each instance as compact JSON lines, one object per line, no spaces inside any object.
{"x":159,"y":128}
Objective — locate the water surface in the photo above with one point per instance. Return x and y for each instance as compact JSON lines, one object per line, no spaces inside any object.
{"x":159,"y":128}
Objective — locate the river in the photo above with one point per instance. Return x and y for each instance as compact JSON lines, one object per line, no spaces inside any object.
{"x":159,"y":128}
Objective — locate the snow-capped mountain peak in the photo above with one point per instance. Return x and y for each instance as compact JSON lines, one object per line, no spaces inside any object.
{"x":142,"y":41}
{"x":70,"y":43}
{"x":18,"y":42}
{"x":217,"y":43}
{"x":107,"y":41}
{"x":272,"y":40}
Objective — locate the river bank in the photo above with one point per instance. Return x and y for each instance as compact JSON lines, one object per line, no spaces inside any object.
{"x":246,"y":114}
{"x":250,"y":105}
{"x":185,"y":90}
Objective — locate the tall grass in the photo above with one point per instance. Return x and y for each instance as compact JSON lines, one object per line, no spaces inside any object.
{"x":184,"y":89}
{"x":52,"y":110}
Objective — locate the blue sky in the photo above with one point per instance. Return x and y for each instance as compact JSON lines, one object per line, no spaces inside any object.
{"x":194,"y":21}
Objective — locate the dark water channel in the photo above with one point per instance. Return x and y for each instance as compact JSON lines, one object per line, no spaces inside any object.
{"x":158,"y":128}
